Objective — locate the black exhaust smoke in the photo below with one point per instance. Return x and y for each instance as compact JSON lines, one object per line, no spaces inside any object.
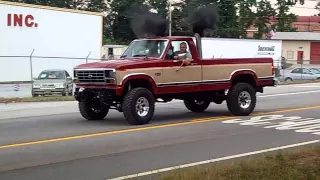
{"x":145,"y":23}
{"x":203,"y":18}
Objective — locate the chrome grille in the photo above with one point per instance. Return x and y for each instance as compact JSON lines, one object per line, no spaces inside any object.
{"x":89,"y":76}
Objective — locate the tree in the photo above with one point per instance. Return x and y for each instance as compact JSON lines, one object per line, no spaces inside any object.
{"x":284,"y":20}
{"x":179,"y":26}
{"x":161,"y":6}
{"x":228,"y":25}
{"x":294,"y":2}
{"x":263,"y":14}
{"x":119,"y":21}
{"x":246,"y":16}
{"x":97,"y":6}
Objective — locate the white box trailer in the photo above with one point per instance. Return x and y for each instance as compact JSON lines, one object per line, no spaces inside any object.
{"x":240,"y":48}
{"x":59,"y":39}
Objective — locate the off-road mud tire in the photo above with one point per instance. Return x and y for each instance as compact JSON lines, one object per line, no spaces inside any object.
{"x":85,"y":108}
{"x":194,"y":107}
{"x":130,"y":102}
{"x":129,"y":106}
{"x":232,"y":99}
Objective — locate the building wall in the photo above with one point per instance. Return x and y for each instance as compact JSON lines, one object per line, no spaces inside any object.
{"x":290,"y":50}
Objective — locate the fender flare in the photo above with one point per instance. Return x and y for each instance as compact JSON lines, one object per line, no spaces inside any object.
{"x":238,"y":72}
{"x":134,"y":76}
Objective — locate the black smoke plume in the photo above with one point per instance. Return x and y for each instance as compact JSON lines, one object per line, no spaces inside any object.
{"x":203,"y":18}
{"x":145,"y":23}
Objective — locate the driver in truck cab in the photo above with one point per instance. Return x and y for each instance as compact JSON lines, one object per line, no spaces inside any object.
{"x":183,"y":49}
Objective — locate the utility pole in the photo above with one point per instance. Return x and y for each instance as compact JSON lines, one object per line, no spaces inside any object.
{"x":170,"y":19}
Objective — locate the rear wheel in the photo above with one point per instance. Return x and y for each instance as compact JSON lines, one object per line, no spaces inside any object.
{"x":92,"y":111}
{"x":196,"y":106}
{"x":241,"y":99}
{"x":138,"y":106}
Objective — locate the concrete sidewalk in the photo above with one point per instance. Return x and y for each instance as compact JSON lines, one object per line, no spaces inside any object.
{"x":18,"y":110}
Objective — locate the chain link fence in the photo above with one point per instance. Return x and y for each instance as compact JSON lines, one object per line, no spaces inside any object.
{"x":26,"y":68}
{"x":298,"y":70}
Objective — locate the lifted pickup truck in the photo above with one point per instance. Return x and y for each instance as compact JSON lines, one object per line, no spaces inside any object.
{"x":147,"y":73}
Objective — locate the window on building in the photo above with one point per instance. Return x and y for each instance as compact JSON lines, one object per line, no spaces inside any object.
{"x":290,"y":54}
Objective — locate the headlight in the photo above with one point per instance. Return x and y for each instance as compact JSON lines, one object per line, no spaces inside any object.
{"x":36,"y":86}
{"x":112,"y":74}
{"x":59,"y":85}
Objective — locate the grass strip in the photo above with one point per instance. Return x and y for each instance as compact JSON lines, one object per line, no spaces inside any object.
{"x":38,"y":99}
{"x":301,"y":164}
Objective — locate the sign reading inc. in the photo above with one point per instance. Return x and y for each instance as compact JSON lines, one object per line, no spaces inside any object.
{"x":21,"y":20}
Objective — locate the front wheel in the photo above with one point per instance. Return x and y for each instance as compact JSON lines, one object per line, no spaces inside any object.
{"x":288,"y":79}
{"x":138,"y":106}
{"x":196,"y":106}
{"x":91,"y":112}
{"x":241,"y":100}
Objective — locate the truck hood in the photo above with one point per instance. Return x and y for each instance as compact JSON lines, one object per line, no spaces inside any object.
{"x":116,"y":63}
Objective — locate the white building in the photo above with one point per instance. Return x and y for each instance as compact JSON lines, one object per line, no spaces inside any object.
{"x":56,"y":38}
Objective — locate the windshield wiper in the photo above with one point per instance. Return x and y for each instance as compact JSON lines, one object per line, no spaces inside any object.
{"x":140,"y":55}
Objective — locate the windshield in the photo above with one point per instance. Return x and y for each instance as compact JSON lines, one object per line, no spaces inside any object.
{"x":51,"y":75}
{"x":145,"y":48}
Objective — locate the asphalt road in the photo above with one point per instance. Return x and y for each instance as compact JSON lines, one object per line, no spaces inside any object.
{"x":58,"y":144}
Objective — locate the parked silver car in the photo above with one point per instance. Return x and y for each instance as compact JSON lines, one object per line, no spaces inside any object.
{"x":53,"y":81}
{"x":300,"y":74}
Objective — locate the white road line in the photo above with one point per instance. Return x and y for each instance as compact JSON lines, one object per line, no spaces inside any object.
{"x":308,"y":86}
{"x":293,"y":85}
{"x":288,"y":94}
{"x":215,"y":160}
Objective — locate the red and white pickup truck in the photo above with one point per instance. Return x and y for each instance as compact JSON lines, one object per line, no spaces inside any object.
{"x":147,"y":73}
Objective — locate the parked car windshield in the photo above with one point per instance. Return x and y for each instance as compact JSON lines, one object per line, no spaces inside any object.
{"x":51,"y":75}
{"x":145,"y":48}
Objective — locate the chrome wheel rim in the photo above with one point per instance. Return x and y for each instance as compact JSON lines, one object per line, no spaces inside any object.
{"x":244,"y":99}
{"x":142,"y":106}
{"x":199,"y":102}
